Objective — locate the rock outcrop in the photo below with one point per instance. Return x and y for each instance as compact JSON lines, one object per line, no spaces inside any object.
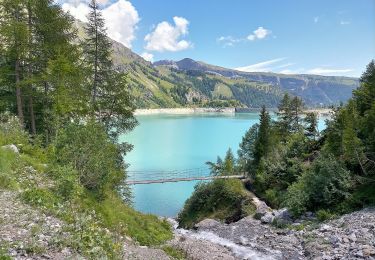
{"x":351,"y":236}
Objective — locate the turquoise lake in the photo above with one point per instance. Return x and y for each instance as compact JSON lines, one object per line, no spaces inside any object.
{"x":179,"y":142}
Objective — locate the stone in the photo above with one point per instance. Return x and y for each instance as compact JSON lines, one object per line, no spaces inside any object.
{"x":262,"y":208}
{"x":267,"y":218}
{"x":206,"y":224}
{"x":325,"y":228}
{"x":368,"y":250}
{"x":11,"y":147}
{"x":283,"y":215}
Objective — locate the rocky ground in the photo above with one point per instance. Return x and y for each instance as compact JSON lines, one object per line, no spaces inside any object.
{"x":28,"y":233}
{"x":351,"y":236}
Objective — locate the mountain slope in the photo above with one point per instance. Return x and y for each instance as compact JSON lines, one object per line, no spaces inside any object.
{"x":193,"y":83}
{"x":314,"y":89}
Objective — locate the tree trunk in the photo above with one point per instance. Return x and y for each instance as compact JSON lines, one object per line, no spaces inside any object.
{"x":19,"y":92}
{"x":29,"y":71}
{"x":32,"y":115}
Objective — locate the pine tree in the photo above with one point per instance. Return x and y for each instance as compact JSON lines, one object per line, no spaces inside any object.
{"x":311,"y":125}
{"x":284,"y":115}
{"x":14,"y":31}
{"x":97,"y":48}
{"x":296,"y":108}
{"x":229,"y":163}
{"x":247,"y":148}
{"x":111,"y":102}
{"x":262,"y":144}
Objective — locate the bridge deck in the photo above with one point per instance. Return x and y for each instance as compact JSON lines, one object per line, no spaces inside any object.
{"x":130,"y":182}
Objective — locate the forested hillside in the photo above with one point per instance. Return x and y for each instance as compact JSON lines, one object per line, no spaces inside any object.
{"x":291,"y":164}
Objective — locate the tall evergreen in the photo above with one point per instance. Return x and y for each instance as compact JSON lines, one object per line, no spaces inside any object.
{"x":262,"y":144}
{"x":284,"y":115}
{"x":97,"y":48}
{"x":296,"y":109}
{"x":14,"y":31}
{"x":246,"y":151}
{"x":111,"y":103}
{"x":311,"y":125}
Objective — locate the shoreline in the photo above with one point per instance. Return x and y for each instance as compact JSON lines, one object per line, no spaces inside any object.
{"x":183,"y":111}
{"x":212,"y":110}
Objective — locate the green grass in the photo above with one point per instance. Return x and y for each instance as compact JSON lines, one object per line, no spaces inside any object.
{"x":222,"y":90}
{"x":117,"y":216}
{"x":8,"y":162}
{"x":174,"y":253}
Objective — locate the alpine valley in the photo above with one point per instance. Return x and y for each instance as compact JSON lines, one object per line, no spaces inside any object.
{"x":190,"y":83}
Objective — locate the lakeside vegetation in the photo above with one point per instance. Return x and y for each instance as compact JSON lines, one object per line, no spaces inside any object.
{"x":290,"y":164}
{"x":71,"y":107}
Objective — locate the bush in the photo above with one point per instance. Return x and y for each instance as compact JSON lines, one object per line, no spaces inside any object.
{"x":88,"y":149}
{"x":40,"y":197}
{"x":67,"y":183}
{"x":219,"y":199}
{"x":325,"y":185}
{"x":323,"y":215}
{"x":11,"y":131}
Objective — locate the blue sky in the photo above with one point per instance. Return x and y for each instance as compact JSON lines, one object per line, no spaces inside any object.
{"x":291,"y":36}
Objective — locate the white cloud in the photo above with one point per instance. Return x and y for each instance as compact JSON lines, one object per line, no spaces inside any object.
{"x":324,"y":71}
{"x":228,"y":41}
{"x":264,"y":66}
{"x":259,"y":34}
{"x":276,"y":65}
{"x":167,"y":37}
{"x":103,"y":2}
{"x":285,"y":65}
{"x":121,"y":18}
{"x":148,"y":56}
{"x":316,"y":19}
{"x":78,"y":11}
{"x":342,"y":22}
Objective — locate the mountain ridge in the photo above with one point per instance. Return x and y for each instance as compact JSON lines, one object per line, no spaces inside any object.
{"x":190,"y":83}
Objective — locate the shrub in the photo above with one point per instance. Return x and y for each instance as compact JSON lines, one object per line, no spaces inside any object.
{"x":11,"y":131}
{"x":40,"y":197}
{"x":323,"y":215}
{"x":67,"y":184}
{"x":219,"y":199}
{"x":88,"y":149}
{"x":325,"y":185}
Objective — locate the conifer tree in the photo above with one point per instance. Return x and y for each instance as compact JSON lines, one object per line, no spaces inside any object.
{"x":14,"y":31}
{"x":97,"y":48}
{"x":262,"y":144}
{"x":311,"y":125}
{"x":111,"y":103}
{"x":284,"y":116}
{"x":247,"y":148}
{"x":296,"y":108}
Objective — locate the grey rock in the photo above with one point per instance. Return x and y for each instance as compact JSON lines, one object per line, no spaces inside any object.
{"x":267,"y":218}
{"x":207,"y":224}
{"x":11,"y":147}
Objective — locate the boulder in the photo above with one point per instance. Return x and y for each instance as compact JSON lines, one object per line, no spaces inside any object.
{"x":206,"y":224}
{"x":11,"y":147}
{"x":282,"y":215}
{"x":267,"y":218}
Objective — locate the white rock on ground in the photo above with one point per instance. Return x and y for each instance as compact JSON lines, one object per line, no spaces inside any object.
{"x":11,"y":147}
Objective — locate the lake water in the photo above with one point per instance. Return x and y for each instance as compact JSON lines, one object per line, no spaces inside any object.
{"x":180,"y":142}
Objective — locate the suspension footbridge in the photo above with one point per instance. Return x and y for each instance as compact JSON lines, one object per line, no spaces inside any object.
{"x":155,"y":176}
